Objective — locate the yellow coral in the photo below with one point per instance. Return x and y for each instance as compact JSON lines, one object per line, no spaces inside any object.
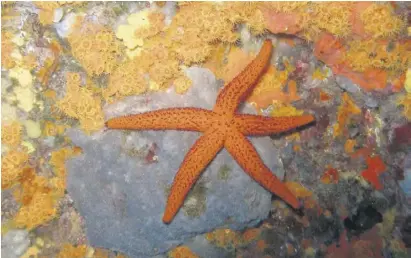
{"x":40,"y":210}
{"x":163,"y":73}
{"x":256,"y":23}
{"x":380,"y":21}
{"x":95,"y":48}
{"x":128,"y":79}
{"x":70,"y":251}
{"x":271,"y":80}
{"x":80,"y":103}
{"x":287,"y":6}
{"x":214,"y":22}
{"x":398,"y":247}
{"x":46,"y":13}
{"x":225,"y":238}
{"x":345,"y":110}
{"x":319,"y":74}
{"x":7,"y":47}
{"x":11,"y":134}
{"x":282,"y":109}
{"x":29,"y":61}
{"x":38,"y":200}
{"x":405,"y":102}
{"x":32,"y":252}
{"x":12,"y":167}
{"x":285,"y":110}
{"x":386,"y":227}
{"x":182,"y":252}
{"x":366,"y":54}
{"x":156,"y":21}
{"x":407,"y":83}
{"x":127,"y":32}
{"x":51,"y":129}
{"x":30,"y":183}
{"x":251,"y":234}
{"x":59,"y":157}
{"x":334,"y":18}
{"x":182,"y":84}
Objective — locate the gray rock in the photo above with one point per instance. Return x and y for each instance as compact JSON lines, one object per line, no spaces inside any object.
{"x":406,"y":183}
{"x":122,"y":197}
{"x":14,"y":243}
{"x":371,"y":102}
{"x":346,"y":84}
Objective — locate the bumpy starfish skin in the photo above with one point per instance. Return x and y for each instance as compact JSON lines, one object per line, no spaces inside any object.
{"x":222,"y":127}
{"x":171,"y":118}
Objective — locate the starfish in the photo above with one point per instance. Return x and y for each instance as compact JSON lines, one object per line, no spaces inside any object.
{"x":222,"y":127}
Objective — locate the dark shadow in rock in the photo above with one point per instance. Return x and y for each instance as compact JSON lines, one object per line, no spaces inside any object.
{"x":365,"y":218}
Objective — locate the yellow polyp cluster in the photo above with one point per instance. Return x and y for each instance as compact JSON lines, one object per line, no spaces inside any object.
{"x":225,"y":238}
{"x":380,"y":21}
{"x":7,"y":47}
{"x":365,"y":54}
{"x":156,"y":20}
{"x":11,"y":134}
{"x":214,"y":23}
{"x":287,"y":6}
{"x":251,"y":234}
{"x":80,"y":103}
{"x":30,"y":184}
{"x":248,"y":13}
{"x":140,"y":27}
{"x":345,"y":110}
{"x":59,"y":157}
{"x":256,"y":23}
{"x":29,"y":61}
{"x":281,"y":110}
{"x":12,"y":165}
{"x":193,"y":52}
{"x":358,"y":55}
{"x":39,"y":195}
{"x":51,"y":129}
{"x":368,"y":53}
{"x":319,"y":74}
{"x":182,"y":84}
{"x":127,"y":80}
{"x":334,"y":18}
{"x":182,"y":252}
{"x":270,"y":81}
{"x":95,"y":48}
{"x":284,"y":110}
{"x":32,"y":252}
{"x":405,"y":102}
{"x":46,"y":13}
{"x":70,"y":251}
{"x":41,"y":210}
{"x":37,"y":199}
{"x":398,"y":248}
{"x":163,"y":73}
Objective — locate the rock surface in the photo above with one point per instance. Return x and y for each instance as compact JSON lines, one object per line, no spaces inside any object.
{"x":120,"y":182}
{"x":14,"y":243}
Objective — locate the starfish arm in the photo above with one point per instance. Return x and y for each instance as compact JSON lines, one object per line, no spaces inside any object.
{"x":197,"y":158}
{"x":240,"y":87}
{"x":263,"y":125}
{"x":247,"y":157}
{"x":188,"y":119}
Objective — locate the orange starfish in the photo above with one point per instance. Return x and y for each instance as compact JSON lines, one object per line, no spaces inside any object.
{"x":222,"y":127}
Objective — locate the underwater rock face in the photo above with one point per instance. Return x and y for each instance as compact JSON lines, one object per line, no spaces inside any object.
{"x":121,"y":189}
{"x":406,"y":183}
{"x":15,"y":243}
